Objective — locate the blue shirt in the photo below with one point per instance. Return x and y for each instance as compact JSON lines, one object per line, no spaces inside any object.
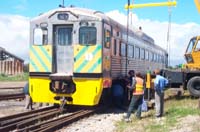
{"x":160,"y":82}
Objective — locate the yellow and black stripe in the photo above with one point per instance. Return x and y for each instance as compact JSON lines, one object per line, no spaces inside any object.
{"x":41,"y":58}
{"x":88,"y":59}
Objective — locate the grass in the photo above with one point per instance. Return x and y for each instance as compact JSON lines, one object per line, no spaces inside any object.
{"x":176,"y":110}
{"x":20,"y":77}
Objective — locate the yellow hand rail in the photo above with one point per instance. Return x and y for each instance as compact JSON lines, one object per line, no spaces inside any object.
{"x":132,"y":6}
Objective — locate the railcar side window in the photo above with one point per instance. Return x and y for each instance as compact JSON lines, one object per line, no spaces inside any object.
{"x":155,"y":58}
{"x":40,"y":36}
{"x":87,"y":35}
{"x":142,"y":54}
{"x":107,"y":36}
{"x":150,"y":56}
{"x":137,"y":52}
{"x":123,"y":49}
{"x":162,"y":59}
{"x":130,"y":51}
{"x":146,"y":54}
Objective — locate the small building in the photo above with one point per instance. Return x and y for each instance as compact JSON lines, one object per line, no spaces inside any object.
{"x":9,"y":63}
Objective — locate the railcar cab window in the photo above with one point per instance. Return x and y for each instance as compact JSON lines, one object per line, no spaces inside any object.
{"x":107,"y":36}
{"x":87,"y":35}
{"x":40,"y":36}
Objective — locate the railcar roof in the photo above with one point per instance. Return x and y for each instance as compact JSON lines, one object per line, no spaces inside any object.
{"x":76,"y":10}
{"x":95,"y":14}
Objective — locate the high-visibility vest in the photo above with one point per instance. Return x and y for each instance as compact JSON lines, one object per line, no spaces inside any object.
{"x":139,"y":87}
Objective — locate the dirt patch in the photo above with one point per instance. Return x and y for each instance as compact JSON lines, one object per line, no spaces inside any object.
{"x":12,"y":84}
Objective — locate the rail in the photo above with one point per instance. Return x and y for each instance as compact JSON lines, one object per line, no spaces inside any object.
{"x":12,"y":96}
{"x":43,"y":120}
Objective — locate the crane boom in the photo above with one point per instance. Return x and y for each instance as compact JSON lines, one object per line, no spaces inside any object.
{"x":132,"y":6}
{"x":197,"y":3}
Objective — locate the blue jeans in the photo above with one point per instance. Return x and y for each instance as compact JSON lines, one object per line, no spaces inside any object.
{"x":135,"y":104}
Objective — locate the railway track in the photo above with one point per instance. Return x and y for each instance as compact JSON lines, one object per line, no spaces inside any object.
{"x":43,"y":120}
{"x":15,"y":92}
{"x":12,"y":96}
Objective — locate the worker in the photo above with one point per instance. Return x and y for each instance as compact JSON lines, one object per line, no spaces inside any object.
{"x":137,"y":98}
{"x":159,"y":84}
{"x":28,"y":100}
{"x":132,"y":82}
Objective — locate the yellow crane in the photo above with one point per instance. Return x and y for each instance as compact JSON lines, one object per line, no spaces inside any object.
{"x":189,"y":76}
{"x":197,"y":3}
{"x":168,"y":3}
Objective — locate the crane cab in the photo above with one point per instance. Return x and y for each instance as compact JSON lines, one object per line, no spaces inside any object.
{"x":192,"y":53}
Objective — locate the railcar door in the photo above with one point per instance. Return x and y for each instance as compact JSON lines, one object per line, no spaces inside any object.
{"x":107,"y":56}
{"x":63,"y":49}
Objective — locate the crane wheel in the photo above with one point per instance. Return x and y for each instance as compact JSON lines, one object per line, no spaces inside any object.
{"x":193,"y":86}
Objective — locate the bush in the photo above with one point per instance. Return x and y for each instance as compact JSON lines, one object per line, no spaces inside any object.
{"x":20,"y":77}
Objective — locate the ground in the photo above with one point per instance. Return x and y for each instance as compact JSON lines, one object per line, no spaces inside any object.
{"x":181,"y":115}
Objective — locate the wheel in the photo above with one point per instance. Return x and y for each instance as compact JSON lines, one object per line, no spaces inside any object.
{"x":194,"y":86}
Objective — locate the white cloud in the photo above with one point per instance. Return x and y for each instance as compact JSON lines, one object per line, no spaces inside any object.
{"x":14,"y":35}
{"x":180,"y":33}
{"x":22,"y":6}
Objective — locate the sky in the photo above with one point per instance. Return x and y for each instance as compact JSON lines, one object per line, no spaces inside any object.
{"x":15,"y":16}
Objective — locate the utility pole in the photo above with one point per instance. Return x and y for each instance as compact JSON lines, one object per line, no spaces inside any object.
{"x":127,"y":38}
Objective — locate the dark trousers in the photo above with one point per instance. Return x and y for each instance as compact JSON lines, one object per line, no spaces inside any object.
{"x":135,"y":104}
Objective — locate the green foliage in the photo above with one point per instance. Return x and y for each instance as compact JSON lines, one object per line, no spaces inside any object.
{"x":20,"y":77}
{"x":178,"y":112}
{"x":122,"y":125}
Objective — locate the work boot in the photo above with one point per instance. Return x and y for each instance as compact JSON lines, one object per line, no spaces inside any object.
{"x":127,"y":119}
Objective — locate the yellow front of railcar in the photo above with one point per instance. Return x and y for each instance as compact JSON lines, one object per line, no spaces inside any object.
{"x":87,"y":62}
{"x":70,"y":61}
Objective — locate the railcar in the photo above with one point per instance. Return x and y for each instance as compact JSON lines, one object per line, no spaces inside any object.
{"x":76,"y":53}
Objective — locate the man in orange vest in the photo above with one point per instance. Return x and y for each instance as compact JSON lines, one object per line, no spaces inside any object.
{"x":137,"y":98}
